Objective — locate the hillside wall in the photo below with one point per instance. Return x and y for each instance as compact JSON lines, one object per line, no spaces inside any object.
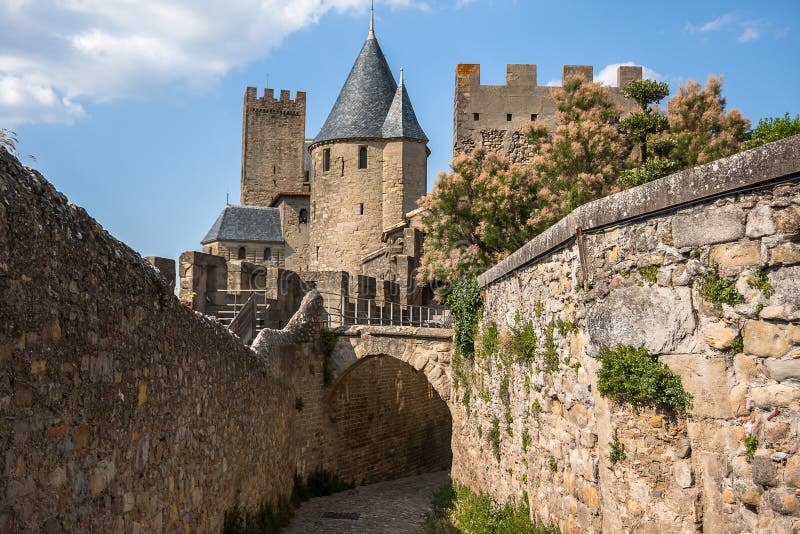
{"x":637,"y":282}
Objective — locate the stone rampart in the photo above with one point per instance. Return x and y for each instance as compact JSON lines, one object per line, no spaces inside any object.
{"x":540,"y":428}
{"x":122,"y":410}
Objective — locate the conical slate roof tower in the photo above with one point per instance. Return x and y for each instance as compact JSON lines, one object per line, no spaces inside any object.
{"x":369,"y":164}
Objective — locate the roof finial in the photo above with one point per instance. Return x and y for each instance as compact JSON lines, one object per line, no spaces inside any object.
{"x":372,"y":21}
{"x":401,"y":75}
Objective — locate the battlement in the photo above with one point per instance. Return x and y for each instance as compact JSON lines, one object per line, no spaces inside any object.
{"x":468,"y":75}
{"x":268,"y":98}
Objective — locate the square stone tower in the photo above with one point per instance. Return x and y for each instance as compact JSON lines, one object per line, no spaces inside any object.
{"x":273,"y":135}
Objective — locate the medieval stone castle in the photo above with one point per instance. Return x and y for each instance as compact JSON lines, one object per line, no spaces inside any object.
{"x":345,"y":201}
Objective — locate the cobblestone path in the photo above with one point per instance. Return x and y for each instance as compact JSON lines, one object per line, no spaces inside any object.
{"x":395,"y":507}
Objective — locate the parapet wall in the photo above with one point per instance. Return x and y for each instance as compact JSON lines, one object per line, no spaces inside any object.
{"x":635,"y":279}
{"x":497,"y":117}
{"x":122,"y":410}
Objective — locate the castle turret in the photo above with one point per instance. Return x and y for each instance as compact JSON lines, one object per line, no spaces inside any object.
{"x":369,"y":164}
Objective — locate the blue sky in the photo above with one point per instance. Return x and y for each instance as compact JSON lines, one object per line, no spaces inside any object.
{"x":133,"y":108}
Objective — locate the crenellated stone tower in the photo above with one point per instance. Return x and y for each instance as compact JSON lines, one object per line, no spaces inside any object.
{"x":369,"y":165}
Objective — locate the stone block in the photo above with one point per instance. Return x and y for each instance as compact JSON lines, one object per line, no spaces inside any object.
{"x":708,"y":226}
{"x":764,"y":339}
{"x":791,"y":474}
{"x":775,"y":396}
{"x":765,"y":471}
{"x":740,"y":254}
{"x":781,"y":370}
{"x":760,"y":222}
{"x":784,"y":254}
{"x":783,"y":502}
{"x":788,"y":220}
{"x":683,"y":474}
{"x":786,"y":285}
{"x":706,"y":379}
{"x":718,"y":335}
{"x":629,"y":316}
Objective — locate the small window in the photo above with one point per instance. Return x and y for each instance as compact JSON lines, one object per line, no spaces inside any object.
{"x":326,"y":160}
{"x":307,"y":176}
{"x":476,"y":117}
{"x":242,"y":253}
{"x":361,"y":209}
{"x":267,"y":254}
{"x":317,"y":253}
{"x":303,"y":216}
{"x":534,"y":116}
{"x":508,"y":117}
{"x":274,"y":169}
{"x":362,"y":157}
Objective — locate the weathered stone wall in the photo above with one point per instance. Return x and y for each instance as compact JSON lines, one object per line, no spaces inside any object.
{"x":254,"y":252}
{"x":121,"y":409}
{"x":481,"y":112}
{"x":642,"y":287}
{"x":405,"y":174}
{"x":296,"y":230}
{"x":273,"y":144}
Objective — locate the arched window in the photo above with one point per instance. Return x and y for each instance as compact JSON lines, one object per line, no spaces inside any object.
{"x":242,"y":253}
{"x":303,"y":216}
{"x":267,"y":254}
{"x":362,"y":157}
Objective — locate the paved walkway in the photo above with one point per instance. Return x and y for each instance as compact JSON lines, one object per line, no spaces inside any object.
{"x":395,"y":507}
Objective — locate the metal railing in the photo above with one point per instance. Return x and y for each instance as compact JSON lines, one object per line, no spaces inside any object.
{"x":233,"y":302}
{"x":341,"y":310}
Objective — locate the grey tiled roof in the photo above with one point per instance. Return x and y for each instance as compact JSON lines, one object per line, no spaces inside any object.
{"x":401,"y":121}
{"x":246,"y":223}
{"x":364,"y":100}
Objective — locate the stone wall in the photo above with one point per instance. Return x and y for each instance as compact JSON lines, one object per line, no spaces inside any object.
{"x":273,"y":141}
{"x":497,"y":117}
{"x":122,"y":409}
{"x":296,"y":230}
{"x":636,"y":279}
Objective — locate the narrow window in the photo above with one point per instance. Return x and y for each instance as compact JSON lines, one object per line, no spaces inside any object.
{"x":274,"y":169}
{"x":317,"y":253}
{"x":534,"y":116}
{"x":303,"y":216}
{"x":508,"y":117}
{"x":326,"y":160}
{"x":267,"y":254}
{"x":362,"y":157}
{"x":242,"y":253}
{"x":314,"y":210}
{"x":307,"y":176}
{"x":361,"y":209}
{"x":476,"y":117}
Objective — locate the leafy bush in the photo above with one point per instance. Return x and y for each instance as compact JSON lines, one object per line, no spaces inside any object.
{"x":652,"y":169}
{"x":465,"y":304}
{"x":772,"y":129}
{"x":456,"y":509}
{"x":550,"y":351}
{"x":719,"y":290}
{"x":637,"y":377}
{"x":490,"y":340}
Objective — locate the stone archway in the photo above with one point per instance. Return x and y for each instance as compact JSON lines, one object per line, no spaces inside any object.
{"x":385,"y":416}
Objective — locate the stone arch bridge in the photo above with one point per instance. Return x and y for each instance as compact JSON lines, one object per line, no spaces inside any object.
{"x":425,"y":349}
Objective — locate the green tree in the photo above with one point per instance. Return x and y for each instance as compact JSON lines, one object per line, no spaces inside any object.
{"x":647,"y":122}
{"x":699,"y":126}
{"x":773,"y":129}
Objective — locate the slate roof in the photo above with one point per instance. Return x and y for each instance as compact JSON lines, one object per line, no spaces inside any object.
{"x":401,"y":121}
{"x":246,"y":223}
{"x":365,"y":98}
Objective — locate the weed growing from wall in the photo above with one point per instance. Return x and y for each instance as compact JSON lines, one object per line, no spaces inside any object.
{"x":649,"y":273}
{"x":490,"y":341}
{"x":762,"y":282}
{"x":565,"y":327}
{"x":617,"y":450}
{"x":737,"y":345}
{"x":635,"y":376}
{"x":523,"y":341}
{"x":552,"y":464}
{"x":550,"y":351}
{"x":750,"y":446}
{"x":719,"y":290}
{"x":465,"y":304}
{"x":526,"y":439}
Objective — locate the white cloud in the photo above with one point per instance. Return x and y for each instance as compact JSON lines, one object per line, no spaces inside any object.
{"x":553,"y":83}
{"x":608,"y":74}
{"x":747,"y":29}
{"x":54,"y":55}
